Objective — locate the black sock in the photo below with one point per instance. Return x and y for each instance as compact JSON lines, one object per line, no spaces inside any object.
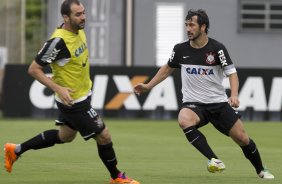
{"x":199,"y":141}
{"x":107,"y":155}
{"x":251,"y":152}
{"x":46,"y":139}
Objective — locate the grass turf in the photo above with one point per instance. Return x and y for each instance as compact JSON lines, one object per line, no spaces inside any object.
{"x":153,"y":152}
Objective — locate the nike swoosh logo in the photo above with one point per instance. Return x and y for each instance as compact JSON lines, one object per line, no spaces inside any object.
{"x":184,"y":57}
{"x":218,"y":162}
{"x":84,"y":64}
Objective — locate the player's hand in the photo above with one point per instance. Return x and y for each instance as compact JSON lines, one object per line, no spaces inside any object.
{"x":65,"y":95}
{"x":234,"y":101}
{"x":140,"y":88}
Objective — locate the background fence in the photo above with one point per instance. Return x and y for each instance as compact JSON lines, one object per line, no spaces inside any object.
{"x":260,"y":94}
{"x":141,"y":33}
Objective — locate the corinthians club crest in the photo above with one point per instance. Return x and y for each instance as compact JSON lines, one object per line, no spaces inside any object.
{"x":210,"y":58}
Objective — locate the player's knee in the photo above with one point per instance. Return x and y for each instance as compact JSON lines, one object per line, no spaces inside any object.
{"x":187,"y":118}
{"x":104,"y":137}
{"x":186,"y":122}
{"x":242,"y":139}
{"x":67,"y":134}
{"x":66,"y":138}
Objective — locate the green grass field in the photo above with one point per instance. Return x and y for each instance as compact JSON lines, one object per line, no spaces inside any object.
{"x":153,"y":152}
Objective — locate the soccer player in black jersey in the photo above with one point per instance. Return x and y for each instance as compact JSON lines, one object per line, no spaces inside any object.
{"x":203,"y":63}
{"x":67,"y":54}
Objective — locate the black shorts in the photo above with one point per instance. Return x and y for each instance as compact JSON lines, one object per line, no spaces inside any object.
{"x":81,"y":117}
{"x":221,"y":115}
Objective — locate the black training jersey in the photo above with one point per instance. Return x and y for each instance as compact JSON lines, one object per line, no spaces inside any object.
{"x":202,"y":71}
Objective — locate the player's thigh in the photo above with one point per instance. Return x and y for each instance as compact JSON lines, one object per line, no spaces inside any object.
{"x":83,"y":118}
{"x":238,"y":133}
{"x":188,"y":118}
{"x":89,"y":125}
{"x":67,"y":134}
{"x":223,"y":117}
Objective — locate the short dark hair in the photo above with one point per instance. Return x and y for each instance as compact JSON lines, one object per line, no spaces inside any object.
{"x":66,"y":6}
{"x":202,"y":17}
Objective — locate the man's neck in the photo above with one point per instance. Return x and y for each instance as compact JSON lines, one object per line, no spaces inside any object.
{"x":199,"y":42}
{"x":69,"y":28}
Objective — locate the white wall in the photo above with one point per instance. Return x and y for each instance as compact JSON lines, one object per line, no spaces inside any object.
{"x":256,"y":50}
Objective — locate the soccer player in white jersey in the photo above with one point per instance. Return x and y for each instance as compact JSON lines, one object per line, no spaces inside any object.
{"x":204,"y":62}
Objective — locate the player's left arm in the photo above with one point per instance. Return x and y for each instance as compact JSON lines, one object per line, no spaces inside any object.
{"x":234,"y":87}
{"x":230,"y":71}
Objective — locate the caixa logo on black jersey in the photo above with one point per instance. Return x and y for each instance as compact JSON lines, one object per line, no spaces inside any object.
{"x":199,"y":71}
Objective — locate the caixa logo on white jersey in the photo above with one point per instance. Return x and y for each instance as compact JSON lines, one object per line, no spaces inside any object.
{"x":163,"y":95}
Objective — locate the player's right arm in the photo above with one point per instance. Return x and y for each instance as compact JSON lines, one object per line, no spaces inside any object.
{"x":36,"y":71}
{"x":53,"y":50}
{"x":161,"y":75}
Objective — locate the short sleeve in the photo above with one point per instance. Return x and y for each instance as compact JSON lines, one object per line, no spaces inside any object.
{"x":52,"y":50}
{"x":225,"y":60}
{"x":173,"y":61}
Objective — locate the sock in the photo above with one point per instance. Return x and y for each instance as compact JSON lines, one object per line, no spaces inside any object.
{"x":251,"y":152}
{"x":45,"y":139}
{"x":199,"y":141}
{"x":107,"y":155}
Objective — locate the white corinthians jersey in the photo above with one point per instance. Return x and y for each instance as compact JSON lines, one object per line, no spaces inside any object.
{"x":202,"y":71}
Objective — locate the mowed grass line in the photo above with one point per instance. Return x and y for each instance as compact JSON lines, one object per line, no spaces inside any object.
{"x":153,"y":152}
